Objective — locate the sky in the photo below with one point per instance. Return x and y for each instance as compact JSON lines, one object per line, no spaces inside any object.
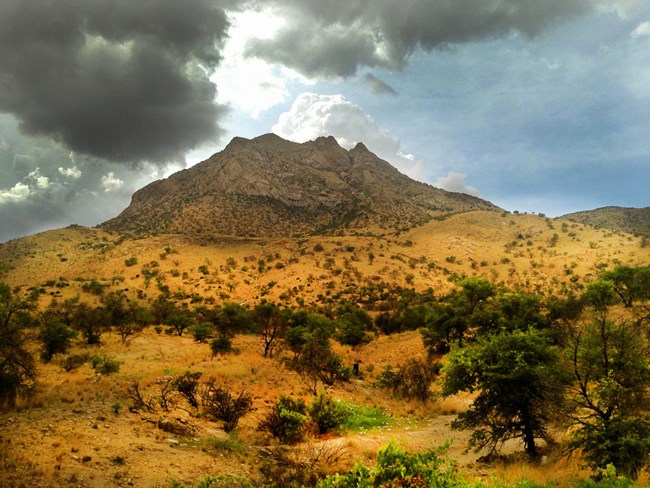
{"x":535,"y":105}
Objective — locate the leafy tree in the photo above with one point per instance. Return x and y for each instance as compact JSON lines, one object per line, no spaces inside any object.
{"x":519,"y":380}
{"x":318,"y":362}
{"x":612,"y":374}
{"x":304,"y":325}
{"x":232,"y":318}
{"x":17,"y":366}
{"x":351,"y":333}
{"x":55,"y":337}
{"x":202,"y":331}
{"x":451,"y":318}
{"x":162,"y":309}
{"x":90,"y":321}
{"x":271,"y":324}
{"x":181,"y":320}
{"x":630,"y":283}
{"x":411,"y":380}
{"x":63,"y":311}
{"x":127,"y":318}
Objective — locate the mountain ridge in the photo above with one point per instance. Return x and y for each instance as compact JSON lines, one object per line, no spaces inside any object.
{"x":625,"y":219}
{"x":268,"y":186}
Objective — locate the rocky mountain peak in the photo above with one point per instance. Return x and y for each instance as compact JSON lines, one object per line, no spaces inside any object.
{"x":268,"y":186}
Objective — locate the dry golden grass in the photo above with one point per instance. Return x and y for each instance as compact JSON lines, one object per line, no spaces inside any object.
{"x":516,"y":250}
{"x":69,"y":433}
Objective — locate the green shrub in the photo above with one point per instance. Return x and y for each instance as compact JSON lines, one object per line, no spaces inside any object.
{"x":104,"y":365}
{"x":201,"y":331}
{"x":132,"y":261}
{"x":286,"y":422}
{"x":396,"y":468}
{"x":55,"y":337}
{"x":221,"y":345}
{"x":74,"y":361}
{"x":327,"y":413}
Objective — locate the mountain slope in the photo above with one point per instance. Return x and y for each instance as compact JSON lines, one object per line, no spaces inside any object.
{"x":271,"y":187}
{"x":631,"y":220}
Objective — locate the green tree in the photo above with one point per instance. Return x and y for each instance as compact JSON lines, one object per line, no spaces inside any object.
{"x":451,"y":318}
{"x":271,"y":323}
{"x":630,"y":283}
{"x":519,"y":380}
{"x":612,"y":375}
{"x":232,"y":318}
{"x":55,"y":337}
{"x":180,"y":320}
{"x":90,"y":322}
{"x":302,"y":326}
{"x":17,"y":366}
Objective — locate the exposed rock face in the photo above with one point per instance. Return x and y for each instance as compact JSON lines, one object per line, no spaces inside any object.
{"x":268,"y":186}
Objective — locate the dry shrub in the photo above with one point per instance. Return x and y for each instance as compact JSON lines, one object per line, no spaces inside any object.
{"x":18,"y":471}
{"x":452,"y":405}
{"x":303,"y":465}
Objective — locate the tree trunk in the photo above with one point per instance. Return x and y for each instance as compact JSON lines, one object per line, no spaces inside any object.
{"x":529,"y":435}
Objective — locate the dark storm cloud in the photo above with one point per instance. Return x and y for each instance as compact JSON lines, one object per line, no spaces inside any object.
{"x":121,"y":80}
{"x":377,"y":86}
{"x":337,"y":37}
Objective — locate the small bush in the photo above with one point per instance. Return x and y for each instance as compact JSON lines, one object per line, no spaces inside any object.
{"x":327,"y":413}
{"x":397,"y":468}
{"x":221,"y":404}
{"x":74,"y":361}
{"x":221,"y":345}
{"x":132,"y":261}
{"x":201,"y":331}
{"x":286,"y":422}
{"x":411,"y":380}
{"x":139,"y":401}
{"x":105,"y":365}
{"x":300,"y":466}
{"x":56,"y":338}
{"x":187,"y":385}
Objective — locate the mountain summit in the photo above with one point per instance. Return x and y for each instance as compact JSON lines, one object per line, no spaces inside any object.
{"x":268,"y":186}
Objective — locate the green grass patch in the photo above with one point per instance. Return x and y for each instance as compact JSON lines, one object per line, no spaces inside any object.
{"x":363,"y":418}
{"x":231,"y":445}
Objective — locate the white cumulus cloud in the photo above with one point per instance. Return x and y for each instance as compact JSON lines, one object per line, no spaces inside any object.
{"x":642,"y":30}
{"x":72,"y":173}
{"x":111,"y":183}
{"x":18,"y":193}
{"x":456,"y":182}
{"x":41,"y":182}
{"x":313,"y":115}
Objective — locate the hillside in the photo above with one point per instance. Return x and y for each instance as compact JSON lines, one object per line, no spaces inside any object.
{"x":78,"y":431}
{"x":516,"y":250}
{"x":630,"y":220}
{"x":271,"y":187}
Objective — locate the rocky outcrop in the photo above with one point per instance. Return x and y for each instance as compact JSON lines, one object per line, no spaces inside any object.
{"x":268,"y":186}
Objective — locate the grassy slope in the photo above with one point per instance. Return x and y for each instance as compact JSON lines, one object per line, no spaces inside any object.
{"x":73,"y":415}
